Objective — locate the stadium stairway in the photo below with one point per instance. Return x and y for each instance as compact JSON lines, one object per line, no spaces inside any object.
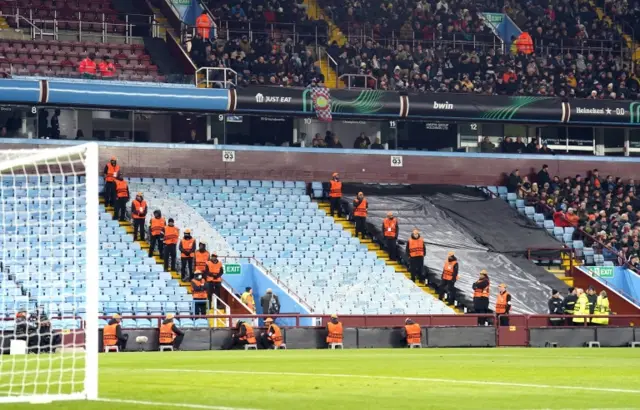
{"x":314,"y":11}
{"x":381,"y":253}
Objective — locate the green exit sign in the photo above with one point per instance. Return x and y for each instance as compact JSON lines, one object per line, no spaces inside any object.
{"x":232,"y":269}
{"x":601,"y":271}
{"x":182,"y":2}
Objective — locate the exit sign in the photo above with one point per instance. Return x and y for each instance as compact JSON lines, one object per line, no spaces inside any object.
{"x":601,"y":271}
{"x":232,"y":269}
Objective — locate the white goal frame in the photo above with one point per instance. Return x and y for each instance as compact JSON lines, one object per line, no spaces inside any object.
{"x":89,"y":151}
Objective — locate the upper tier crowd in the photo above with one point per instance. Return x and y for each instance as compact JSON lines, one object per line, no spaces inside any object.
{"x":425,"y":45}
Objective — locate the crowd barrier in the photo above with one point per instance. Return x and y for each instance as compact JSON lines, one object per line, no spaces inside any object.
{"x":386,"y":332}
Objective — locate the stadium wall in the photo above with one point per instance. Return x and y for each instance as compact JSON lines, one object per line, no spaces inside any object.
{"x":257,"y":279}
{"x":391,"y":337}
{"x":313,"y":164}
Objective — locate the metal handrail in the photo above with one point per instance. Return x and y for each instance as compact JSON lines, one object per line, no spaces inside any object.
{"x":34,"y":29}
{"x":330,"y":60}
{"x":365,"y":76}
{"x":228,"y":80}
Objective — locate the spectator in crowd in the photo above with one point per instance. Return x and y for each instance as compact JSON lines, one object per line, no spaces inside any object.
{"x":270,"y":303}
{"x":55,"y":125}
{"x":335,"y":142}
{"x":486,"y":145}
{"x":556,"y":308}
{"x":377,"y":144}
{"x":170,"y":334}
{"x":543,"y":175}
{"x":247,"y":299}
{"x":112,"y":334}
{"x":362,"y":142}
{"x":4,"y":133}
{"x":514,"y":181}
{"x":88,"y":67}
{"x":318,"y":141}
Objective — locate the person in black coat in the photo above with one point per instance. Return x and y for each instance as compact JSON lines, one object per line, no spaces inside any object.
{"x":543,"y":176}
{"x":556,"y":307}
{"x":568,"y":305}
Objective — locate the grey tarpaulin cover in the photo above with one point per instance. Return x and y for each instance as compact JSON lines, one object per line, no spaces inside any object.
{"x":418,"y":209}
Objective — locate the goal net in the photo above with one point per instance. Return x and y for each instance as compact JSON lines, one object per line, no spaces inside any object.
{"x":48,"y":274}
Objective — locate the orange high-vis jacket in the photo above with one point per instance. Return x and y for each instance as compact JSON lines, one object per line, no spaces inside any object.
{"x":249,"y":336}
{"x":140,"y":207}
{"x":171,"y":234}
{"x":109,"y":335}
{"x":414,"y":333}
{"x":275,"y":334}
{"x":198,"y":294}
{"x":166,"y":334}
{"x":110,"y":175}
{"x":482,"y":293}
{"x":390,"y":227}
{"x":201,"y":260}
{"x":213,"y":269}
{"x":361,"y":209}
{"x":335,"y":191}
{"x":335,"y":332}
{"x":525,"y":43}
{"x":501,"y":303}
{"x":448,"y":270}
{"x":416,"y":247}
{"x":187,"y":245}
{"x":122,"y":189}
{"x":157,"y":226}
{"x":203,"y":25}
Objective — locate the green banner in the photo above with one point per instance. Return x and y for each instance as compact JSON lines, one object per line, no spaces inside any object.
{"x":232,"y":269}
{"x":601,"y":271}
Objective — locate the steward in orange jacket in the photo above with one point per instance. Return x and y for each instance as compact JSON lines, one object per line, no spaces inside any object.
{"x":187,"y":254}
{"x":156,"y":231}
{"x":335,"y":332}
{"x":412,"y":333}
{"x":416,"y":250}
{"x":390,"y":232}
{"x":111,"y":171}
{"x":171,"y":235}
{"x":122,"y":197}
{"x":112,"y":334}
{"x":360,"y":211}
{"x":481,"y":290}
{"x":244,"y":336}
{"x":272,"y":338}
{"x":170,"y":334}
{"x":203,"y":25}
{"x":335,"y":195}
{"x":139,"y":210}
{"x":449,"y":278}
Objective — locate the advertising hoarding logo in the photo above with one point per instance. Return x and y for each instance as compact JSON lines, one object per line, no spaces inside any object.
{"x":259,"y":98}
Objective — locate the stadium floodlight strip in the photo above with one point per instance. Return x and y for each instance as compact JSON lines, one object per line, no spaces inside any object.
{"x":44,"y":204}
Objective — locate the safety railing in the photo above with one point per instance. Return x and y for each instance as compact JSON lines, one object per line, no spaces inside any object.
{"x":216,"y":77}
{"x":332,"y":64}
{"x":356,"y":81}
{"x":552,"y":256}
{"x":87,"y":26}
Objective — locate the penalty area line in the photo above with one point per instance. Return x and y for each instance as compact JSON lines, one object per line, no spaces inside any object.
{"x":400,"y":378}
{"x":168,"y":404}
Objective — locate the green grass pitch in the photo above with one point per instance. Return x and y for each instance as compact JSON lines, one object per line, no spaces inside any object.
{"x":357,"y":379}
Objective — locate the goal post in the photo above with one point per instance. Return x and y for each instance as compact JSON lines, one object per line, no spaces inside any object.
{"x":49,"y":274}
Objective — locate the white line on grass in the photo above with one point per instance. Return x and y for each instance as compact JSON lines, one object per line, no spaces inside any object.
{"x":399,"y":378}
{"x":169,"y":404}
